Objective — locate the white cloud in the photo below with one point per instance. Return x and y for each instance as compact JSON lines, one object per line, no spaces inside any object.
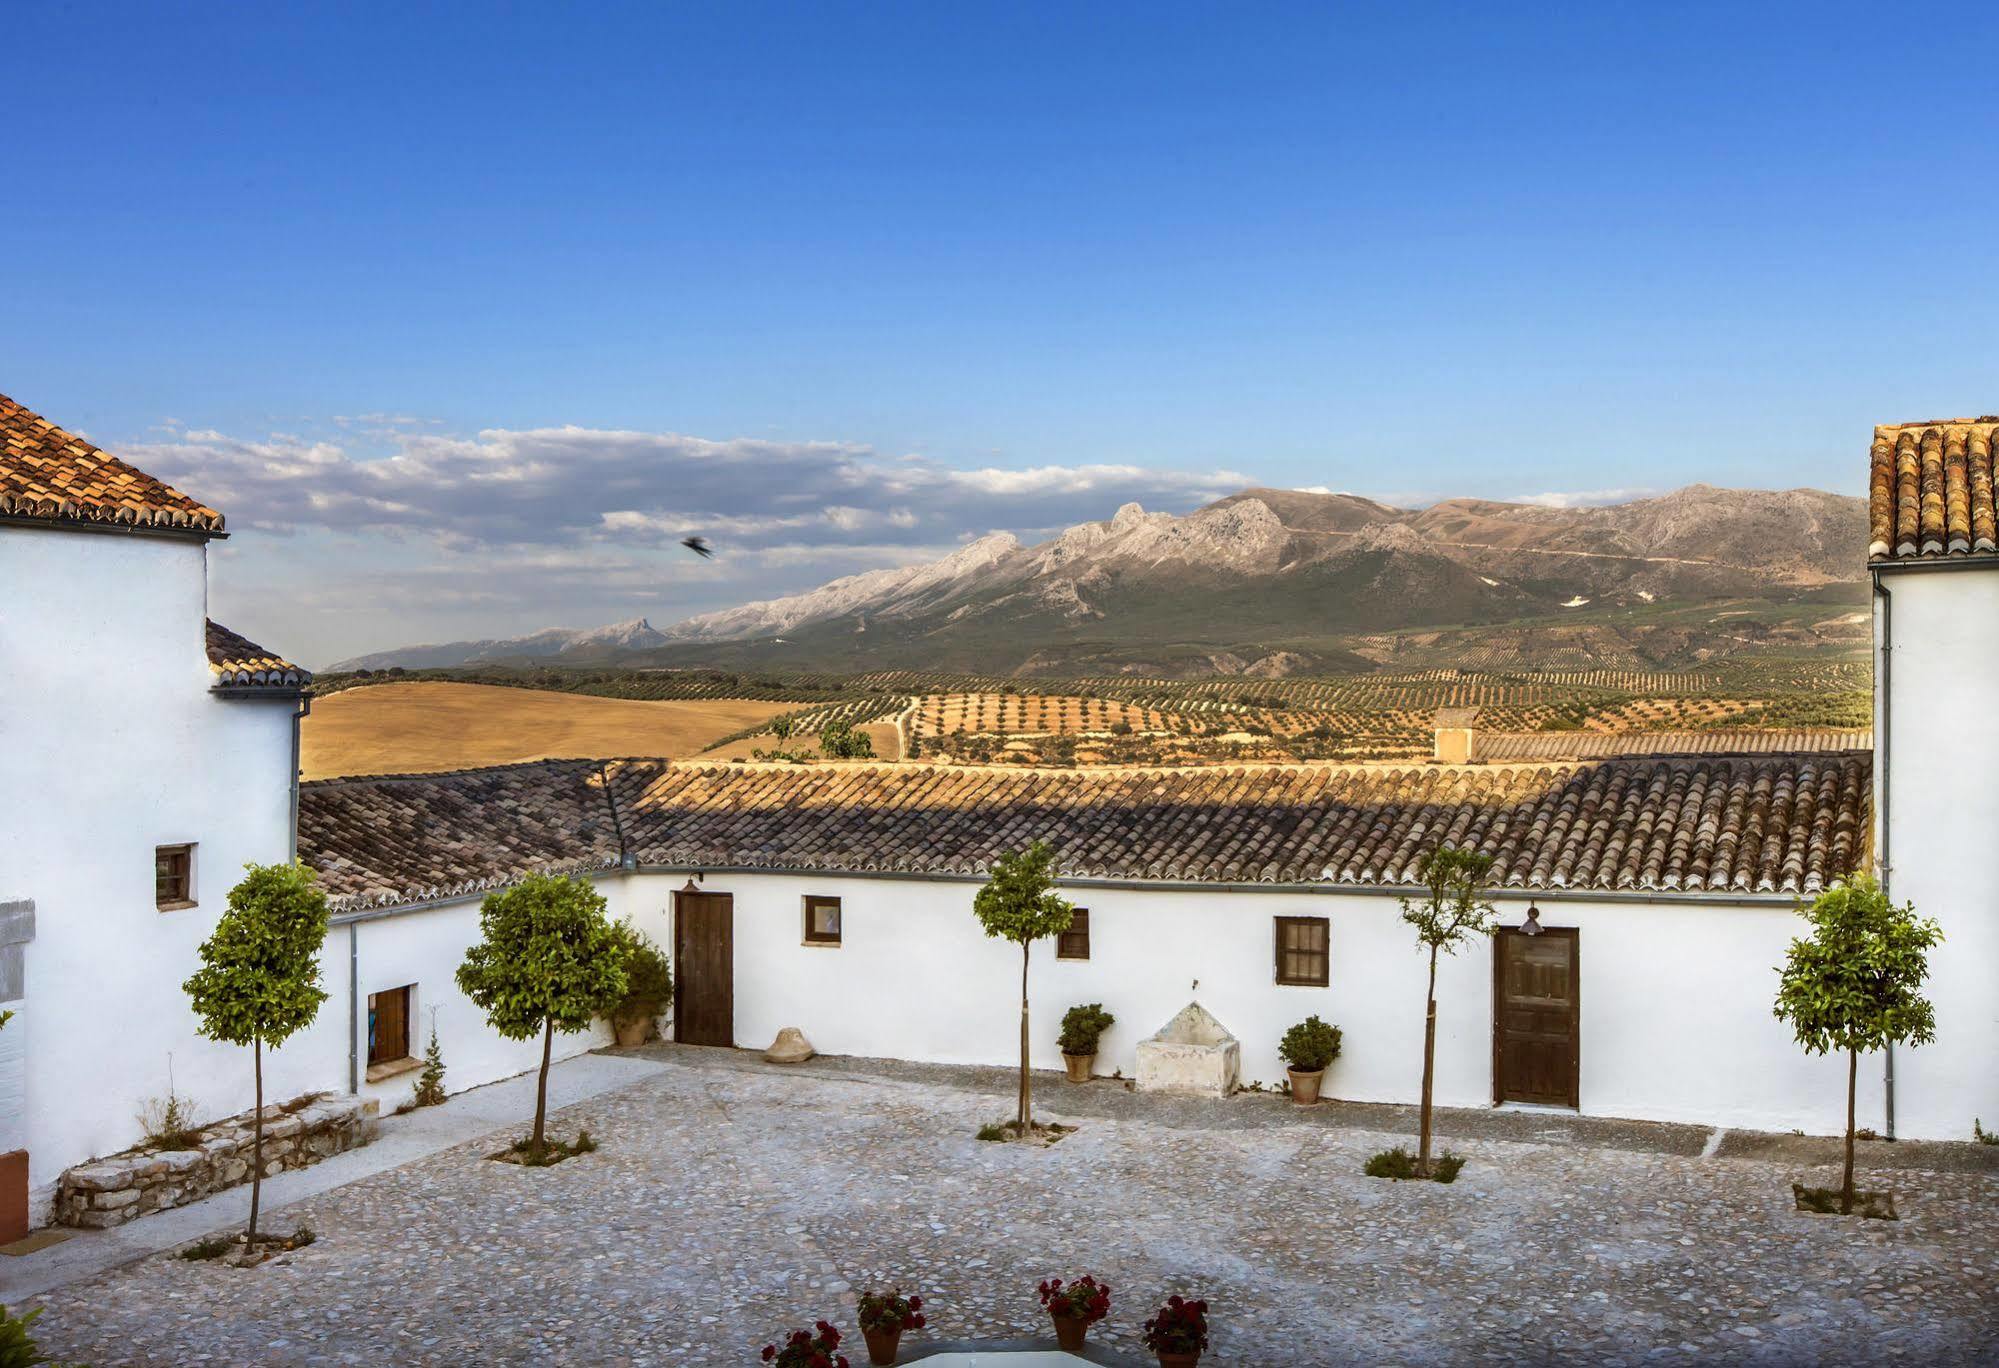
{"x":1584,"y":498}
{"x":420,"y":535}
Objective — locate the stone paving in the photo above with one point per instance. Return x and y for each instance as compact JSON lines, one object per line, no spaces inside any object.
{"x":730,"y":1200}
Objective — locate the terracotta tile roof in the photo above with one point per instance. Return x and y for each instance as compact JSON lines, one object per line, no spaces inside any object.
{"x":56,"y":476}
{"x":411,"y":838}
{"x":1930,"y":489}
{"x":1504,"y":747}
{"x":1768,"y":824}
{"x":240,"y":663}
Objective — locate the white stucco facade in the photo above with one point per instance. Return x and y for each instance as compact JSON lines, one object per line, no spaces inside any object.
{"x":1937,"y":814}
{"x":421,"y":949}
{"x":111,"y":744}
{"x":1675,"y":997}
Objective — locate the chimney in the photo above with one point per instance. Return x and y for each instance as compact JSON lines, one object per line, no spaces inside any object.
{"x":1456,"y":736}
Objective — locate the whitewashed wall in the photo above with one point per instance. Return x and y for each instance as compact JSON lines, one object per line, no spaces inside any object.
{"x":111,"y":744}
{"x":1675,"y":997}
{"x":424,"y":947}
{"x":1941,"y":766}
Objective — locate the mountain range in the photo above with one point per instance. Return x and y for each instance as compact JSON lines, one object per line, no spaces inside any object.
{"x":1273,"y":581}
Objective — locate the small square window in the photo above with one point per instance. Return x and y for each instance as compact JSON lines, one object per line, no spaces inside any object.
{"x":388,"y":1029}
{"x":173,"y":877}
{"x":1075,"y":942}
{"x":822,"y":921}
{"x":1302,"y":956}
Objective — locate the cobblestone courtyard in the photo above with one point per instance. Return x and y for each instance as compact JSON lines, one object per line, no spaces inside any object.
{"x":730,"y":1201}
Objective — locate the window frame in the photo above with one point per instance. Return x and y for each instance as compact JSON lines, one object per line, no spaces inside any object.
{"x":1062,"y":940}
{"x":818,"y":902}
{"x":184,"y":852}
{"x":1324,"y":952}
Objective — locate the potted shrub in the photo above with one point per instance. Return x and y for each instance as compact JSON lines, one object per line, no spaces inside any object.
{"x":1308,"y":1048}
{"x":1075,"y":1307}
{"x":818,"y":1347}
{"x":1178,"y":1333}
{"x":648,"y":985}
{"x":1081,"y":1028}
{"x":884,"y":1316}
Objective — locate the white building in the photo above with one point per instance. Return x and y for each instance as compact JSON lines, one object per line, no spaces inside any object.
{"x":837,"y":898}
{"x":1934,"y":557}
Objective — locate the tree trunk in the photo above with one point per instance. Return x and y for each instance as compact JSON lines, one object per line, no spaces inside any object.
{"x":1026,"y":1088}
{"x":257,"y":1139}
{"x":1846,"y":1179}
{"x":1429,"y":1066}
{"x":538,"y":1144}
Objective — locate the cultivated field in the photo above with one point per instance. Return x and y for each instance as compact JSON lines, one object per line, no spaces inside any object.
{"x":402,"y":728}
{"x":1125,"y":720}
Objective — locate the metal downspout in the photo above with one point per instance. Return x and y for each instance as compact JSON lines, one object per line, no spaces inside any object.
{"x":353,"y":1008}
{"x":1883,"y":721}
{"x":298,"y":718}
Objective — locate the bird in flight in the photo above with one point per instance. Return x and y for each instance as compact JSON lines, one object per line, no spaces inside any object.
{"x":699,"y":546}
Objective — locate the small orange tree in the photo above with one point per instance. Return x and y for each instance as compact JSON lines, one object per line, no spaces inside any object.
{"x":1019,"y":903}
{"x":548,"y":960}
{"x":1452,"y":911}
{"x":259,"y":978}
{"x":1854,"y":984}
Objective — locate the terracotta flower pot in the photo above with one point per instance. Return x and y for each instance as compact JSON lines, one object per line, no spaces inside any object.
{"x":1069,"y":1330}
{"x":881,"y":1344}
{"x":1305,"y":1085}
{"x":1079,"y":1066}
{"x":1186,"y":1360}
{"x":633,"y":1030}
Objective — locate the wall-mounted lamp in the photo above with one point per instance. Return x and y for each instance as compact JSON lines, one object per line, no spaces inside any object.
{"x":1532,"y":926}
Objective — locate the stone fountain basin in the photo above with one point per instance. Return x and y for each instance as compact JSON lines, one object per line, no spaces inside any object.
{"x":1192,"y":1053}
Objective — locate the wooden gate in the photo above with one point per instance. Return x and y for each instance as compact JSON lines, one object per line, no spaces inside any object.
{"x":704,"y":959}
{"x":1536,"y":1054}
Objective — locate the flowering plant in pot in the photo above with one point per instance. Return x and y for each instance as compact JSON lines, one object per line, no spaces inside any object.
{"x":818,"y":1347}
{"x":1075,"y":1307}
{"x":884,"y":1316}
{"x":1178,"y":1333}
{"x":1081,"y":1028}
{"x":1308,"y":1048}
{"x":648,"y":984}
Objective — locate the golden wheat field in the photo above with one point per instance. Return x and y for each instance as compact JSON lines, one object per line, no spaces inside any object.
{"x":420,"y":727}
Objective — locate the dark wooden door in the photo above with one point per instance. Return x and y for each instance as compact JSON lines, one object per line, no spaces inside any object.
{"x":704,"y":960}
{"x":1535,"y":1017}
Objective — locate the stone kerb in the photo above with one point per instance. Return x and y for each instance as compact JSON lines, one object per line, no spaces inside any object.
{"x":112,"y":1191}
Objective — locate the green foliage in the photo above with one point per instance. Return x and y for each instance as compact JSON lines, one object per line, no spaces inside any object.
{"x":5,"y":1017}
{"x":1310,"y":1045}
{"x":1082,"y":1026}
{"x":992,"y":1130}
{"x":783,"y":726}
{"x":17,"y":1346}
{"x":211,"y":1247}
{"x":1854,"y":984}
{"x":648,"y":975}
{"x":1982,"y":1135}
{"x":1019,"y":902}
{"x":430,"y":1083}
{"x":1453,"y":909}
{"x":259,"y":975}
{"x":842,"y":741}
{"x":1401,"y":1165}
{"x":547,"y":958}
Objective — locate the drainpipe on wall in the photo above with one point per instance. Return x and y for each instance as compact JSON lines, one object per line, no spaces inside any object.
{"x":298,"y":717}
{"x":353,"y":1008}
{"x":1884,"y":713}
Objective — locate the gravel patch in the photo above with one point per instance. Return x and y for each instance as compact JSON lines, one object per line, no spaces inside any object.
{"x":730,"y":1200}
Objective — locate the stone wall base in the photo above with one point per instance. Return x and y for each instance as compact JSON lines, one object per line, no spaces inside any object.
{"x":110,"y":1192}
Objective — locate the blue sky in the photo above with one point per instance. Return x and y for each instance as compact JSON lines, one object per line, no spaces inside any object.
{"x":1409,"y":251}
